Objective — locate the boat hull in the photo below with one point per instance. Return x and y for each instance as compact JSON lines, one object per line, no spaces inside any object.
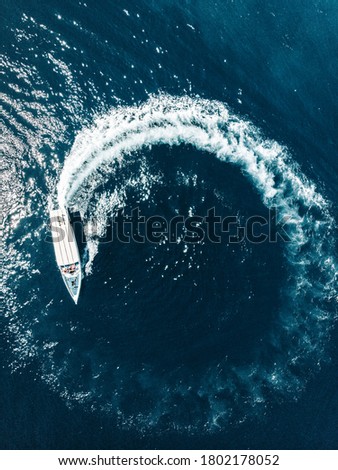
{"x":73,"y":285}
{"x":66,"y":251}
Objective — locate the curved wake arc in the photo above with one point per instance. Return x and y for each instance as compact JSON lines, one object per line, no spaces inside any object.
{"x":167,"y":120}
{"x":304,"y":318}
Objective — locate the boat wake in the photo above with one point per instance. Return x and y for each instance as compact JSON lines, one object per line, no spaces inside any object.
{"x":304,"y":320}
{"x":222,"y":391}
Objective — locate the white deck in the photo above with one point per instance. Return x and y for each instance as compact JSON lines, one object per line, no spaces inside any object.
{"x":65,"y":246}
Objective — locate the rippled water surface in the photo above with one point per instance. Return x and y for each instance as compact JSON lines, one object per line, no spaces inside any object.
{"x":175,"y":107}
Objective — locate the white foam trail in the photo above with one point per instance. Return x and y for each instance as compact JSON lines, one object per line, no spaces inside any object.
{"x":303,"y":321}
{"x":211,"y":127}
{"x":208,"y":125}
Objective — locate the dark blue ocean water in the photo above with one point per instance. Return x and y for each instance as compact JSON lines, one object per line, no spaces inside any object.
{"x":225,"y":104}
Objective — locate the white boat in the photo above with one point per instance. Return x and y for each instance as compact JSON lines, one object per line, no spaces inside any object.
{"x":66,"y":251}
